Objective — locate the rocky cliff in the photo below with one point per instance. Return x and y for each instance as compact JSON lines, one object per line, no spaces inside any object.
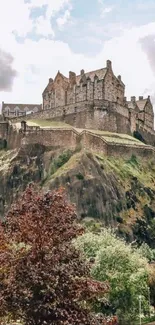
{"x":117,"y":192}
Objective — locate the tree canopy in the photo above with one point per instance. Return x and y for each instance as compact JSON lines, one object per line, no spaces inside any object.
{"x":123,"y":266}
{"x":43,"y":277}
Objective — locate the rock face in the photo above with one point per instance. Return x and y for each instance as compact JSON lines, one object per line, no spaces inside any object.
{"x":119,"y":193}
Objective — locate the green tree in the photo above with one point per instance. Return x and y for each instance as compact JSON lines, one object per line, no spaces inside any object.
{"x":124,"y":268}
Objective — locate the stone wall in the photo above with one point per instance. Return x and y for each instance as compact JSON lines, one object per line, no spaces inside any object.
{"x":69,"y":138}
{"x":96,"y":143}
{"x":9,"y":136}
{"x":147,"y":134}
{"x":113,"y":88}
{"x":55,"y":138}
{"x":97,"y":114}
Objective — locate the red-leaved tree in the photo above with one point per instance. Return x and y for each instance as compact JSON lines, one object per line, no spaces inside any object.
{"x":43,"y":278}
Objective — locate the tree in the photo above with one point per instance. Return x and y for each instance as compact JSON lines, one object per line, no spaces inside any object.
{"x":124,"y":268}
{"x":43,"y":278}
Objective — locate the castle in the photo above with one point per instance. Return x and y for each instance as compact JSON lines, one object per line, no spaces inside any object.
{"x":92,"y":100}
{"x":99,"y":84}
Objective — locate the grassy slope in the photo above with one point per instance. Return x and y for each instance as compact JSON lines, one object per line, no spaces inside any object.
{"x":108,"y":136}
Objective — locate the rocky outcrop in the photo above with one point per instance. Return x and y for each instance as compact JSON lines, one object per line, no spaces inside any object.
{"x":116,"y":192}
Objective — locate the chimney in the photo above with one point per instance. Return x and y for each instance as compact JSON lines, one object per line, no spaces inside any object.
{"x":82,"y":72}
{"x":72,"y":78}
{"x":119,"y":78}
{"x":109,"y":64}
{"x":133,"y":99}
{"x":149,"y":97}
{"x":140,"y":97}
{"x":125,"y":99}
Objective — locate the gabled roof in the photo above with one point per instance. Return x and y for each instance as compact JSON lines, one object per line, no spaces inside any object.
{"x":21,"y":106}
{"x":62,"y":76}
{"x":141,"y":104}
{"x":100,"y":74}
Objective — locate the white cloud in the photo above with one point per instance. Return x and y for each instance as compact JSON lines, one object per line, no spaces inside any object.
{"x":38,"y":61}
{"x":106,"y":10}
{"x":61,"y":21}
{"x":43,"y":27}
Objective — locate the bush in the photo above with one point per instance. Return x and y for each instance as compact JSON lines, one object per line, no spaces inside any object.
{"x":124,"y":268}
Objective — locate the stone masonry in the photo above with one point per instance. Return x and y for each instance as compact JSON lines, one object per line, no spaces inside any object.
{"x":95,"y":85}
{"x":101,"y":93}
{"x":92,"y":100}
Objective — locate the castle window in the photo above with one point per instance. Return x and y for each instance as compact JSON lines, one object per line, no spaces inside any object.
{"x":81,"y":86}
{"x":88,"y":85}
{"x":74,"y":89}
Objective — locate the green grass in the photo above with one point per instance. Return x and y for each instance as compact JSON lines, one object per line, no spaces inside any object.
{"x":124,"y":169}
{"x":48,"y":123}
{"x":121,"y":140}
{"x":71,"y":163}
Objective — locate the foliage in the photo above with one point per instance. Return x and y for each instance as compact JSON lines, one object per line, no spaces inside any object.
{"x":79,"y":176}
{"x":43,"y":278}
{"x":124,"y":268}
{"x":147,"y":252}
{"x":133,"y":160}
{"x":60,"y":161}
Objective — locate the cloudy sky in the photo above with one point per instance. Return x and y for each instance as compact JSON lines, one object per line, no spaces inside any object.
{"x":39,"y":37}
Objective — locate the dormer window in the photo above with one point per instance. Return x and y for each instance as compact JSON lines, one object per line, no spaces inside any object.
{"x":16,"y":110}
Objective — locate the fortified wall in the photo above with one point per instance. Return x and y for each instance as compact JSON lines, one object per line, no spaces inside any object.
{"x":94,"y":100}
{"x":98,"y":114}
{"x":69,"y":138}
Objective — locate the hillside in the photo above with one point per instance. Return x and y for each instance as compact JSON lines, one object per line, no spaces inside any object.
{"x":118,"y":192}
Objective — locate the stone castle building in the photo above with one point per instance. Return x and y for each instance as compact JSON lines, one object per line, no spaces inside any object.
{"x":13,"y":110}
{"x":91,"y":100}
{"x":101,"y":92}
{"x":100,"y":84}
